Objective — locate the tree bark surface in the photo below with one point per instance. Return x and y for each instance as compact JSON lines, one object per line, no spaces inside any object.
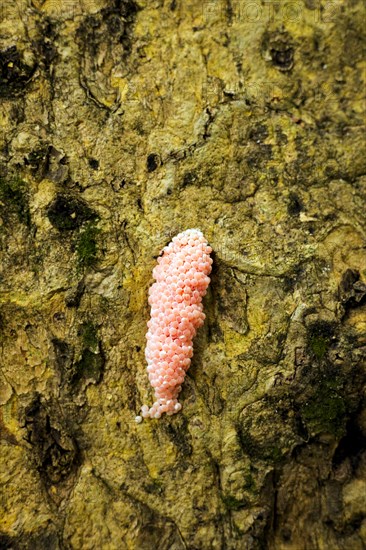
{"x":124,"y":122}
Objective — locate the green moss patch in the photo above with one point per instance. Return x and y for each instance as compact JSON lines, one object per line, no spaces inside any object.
{"x":320,"y":335}
{"x":319,"y":346}
{"x":89,"y":334}
{"x":87,"y":246}
{"x":232,"y":503}
{"x":325,"y":411}
{"x":14,"y":199}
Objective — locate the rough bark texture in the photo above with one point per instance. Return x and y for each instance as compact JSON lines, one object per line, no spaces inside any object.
{"x":123,"y":123}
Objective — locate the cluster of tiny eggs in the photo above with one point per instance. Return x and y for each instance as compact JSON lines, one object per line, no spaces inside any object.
{"x":176,"y":313}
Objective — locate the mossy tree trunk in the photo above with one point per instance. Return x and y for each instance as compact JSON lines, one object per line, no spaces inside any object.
{"x":124,"y":122}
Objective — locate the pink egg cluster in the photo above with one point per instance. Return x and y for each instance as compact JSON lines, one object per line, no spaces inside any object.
{"x":176,"y":313}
